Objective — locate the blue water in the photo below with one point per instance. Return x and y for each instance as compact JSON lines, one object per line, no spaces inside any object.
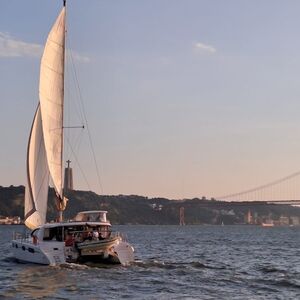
{"x":172,"y":262}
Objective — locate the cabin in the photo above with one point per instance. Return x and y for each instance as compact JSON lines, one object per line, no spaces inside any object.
{"x":87,"y":225}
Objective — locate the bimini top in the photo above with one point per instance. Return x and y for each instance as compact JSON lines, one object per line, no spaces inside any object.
{"x":92,"y":216}
{"x":74,"y":223}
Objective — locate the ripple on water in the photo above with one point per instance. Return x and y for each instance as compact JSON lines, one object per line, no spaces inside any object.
{"x":272,"y":269}
{"x":228,"y":263}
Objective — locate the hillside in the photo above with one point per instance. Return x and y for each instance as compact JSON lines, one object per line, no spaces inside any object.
{"x":134,"y":209}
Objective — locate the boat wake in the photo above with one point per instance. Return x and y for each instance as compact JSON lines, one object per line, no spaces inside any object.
{"x":71,"y":266}
{"x":8,"y":259}
{"x":152,"y":263}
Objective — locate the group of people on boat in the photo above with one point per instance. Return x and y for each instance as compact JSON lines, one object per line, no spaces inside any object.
{"x":90,"y":234}
{"x":94,"y":235}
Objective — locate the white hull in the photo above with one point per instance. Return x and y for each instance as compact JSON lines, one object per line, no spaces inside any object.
{"x":119,"y":252}
{"x":45,"y":253}
{"x":78,"y":241}
{"x":56,"y":253}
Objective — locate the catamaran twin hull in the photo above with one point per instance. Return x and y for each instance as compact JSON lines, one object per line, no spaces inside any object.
{"x":49,"y":253}
{"x":46,"y":246}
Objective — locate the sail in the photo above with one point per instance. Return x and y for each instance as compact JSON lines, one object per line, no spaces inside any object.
{"x":51,"y":93}
{"x":36,"y":191}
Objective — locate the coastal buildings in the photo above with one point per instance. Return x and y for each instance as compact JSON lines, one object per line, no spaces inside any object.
{"x":10,"y":220}
{"x":254,"y":219}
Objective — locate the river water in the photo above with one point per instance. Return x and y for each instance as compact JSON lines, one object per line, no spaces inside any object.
{"x":172,"y":262}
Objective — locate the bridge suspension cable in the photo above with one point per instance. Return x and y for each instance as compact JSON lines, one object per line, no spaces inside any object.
{"x":254,"y":191}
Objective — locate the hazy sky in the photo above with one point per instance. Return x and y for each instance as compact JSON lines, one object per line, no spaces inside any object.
{"x":184,"y":98}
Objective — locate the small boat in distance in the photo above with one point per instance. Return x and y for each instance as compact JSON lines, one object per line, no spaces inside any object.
{"x":267,"y":224}
{"x":88,"y":237}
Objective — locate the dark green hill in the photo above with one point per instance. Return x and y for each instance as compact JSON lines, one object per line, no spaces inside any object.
{"x":134,"y":209}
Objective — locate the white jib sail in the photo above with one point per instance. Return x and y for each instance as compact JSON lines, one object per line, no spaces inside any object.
{"x":36,"y":191}
{"x":51,"y":92}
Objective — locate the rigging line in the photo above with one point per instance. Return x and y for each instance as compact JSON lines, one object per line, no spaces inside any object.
{"x":77,"y":141}
{"x":68,"y":96}
{"x":261,"y":187}
{"x":87,"y":126}
{"x":77,"y":161}
{"x":75,"y":144}
{"x":72,"y":76}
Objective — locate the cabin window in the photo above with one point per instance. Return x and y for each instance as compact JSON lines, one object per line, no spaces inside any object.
{"x":54,"y":233}
{"x":47,"y":234}
{"x":104,"y":231}
{"x":91,"y":217}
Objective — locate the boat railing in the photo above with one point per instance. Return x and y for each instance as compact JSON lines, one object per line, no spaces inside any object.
{"x":21,"y":236}
{"x":123,"y":236}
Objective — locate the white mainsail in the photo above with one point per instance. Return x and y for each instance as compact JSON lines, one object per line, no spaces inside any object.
{"x":51,"y":92}
{"x":36,"y":192}
{"x":45,"y":146}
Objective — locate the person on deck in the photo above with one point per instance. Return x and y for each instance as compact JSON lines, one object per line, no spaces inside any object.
{"x":95,"y":235}
{"x":69,"y":242}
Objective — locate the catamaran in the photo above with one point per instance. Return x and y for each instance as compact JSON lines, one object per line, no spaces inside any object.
{"x":88,"y":237}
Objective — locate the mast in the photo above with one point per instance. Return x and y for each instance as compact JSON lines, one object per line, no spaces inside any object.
{"x":61,"y":201}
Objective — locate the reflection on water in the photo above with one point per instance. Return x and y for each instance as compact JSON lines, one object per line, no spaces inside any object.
{"x":39,"y":281}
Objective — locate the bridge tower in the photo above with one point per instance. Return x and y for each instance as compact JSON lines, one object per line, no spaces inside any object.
{"x":249,"y":218}
{"x":181,"y":216}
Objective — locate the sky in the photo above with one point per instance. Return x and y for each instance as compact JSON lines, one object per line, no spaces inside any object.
{"x":183,"y":98}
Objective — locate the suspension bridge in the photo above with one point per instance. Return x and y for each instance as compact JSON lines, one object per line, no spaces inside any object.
{"x":285,"y":190}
